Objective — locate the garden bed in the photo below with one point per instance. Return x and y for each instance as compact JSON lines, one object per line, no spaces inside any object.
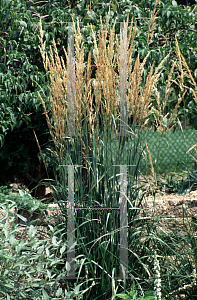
{"x":166,"y":204}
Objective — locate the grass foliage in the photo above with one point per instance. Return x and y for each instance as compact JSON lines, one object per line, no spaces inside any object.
{"x":162,"y":259}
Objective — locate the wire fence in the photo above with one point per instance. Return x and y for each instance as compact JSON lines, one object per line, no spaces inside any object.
{"x":170,"y":152}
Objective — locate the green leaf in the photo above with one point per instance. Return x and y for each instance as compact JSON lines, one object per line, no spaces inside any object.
{"x":22,"y":218}
{"x":174,"y":3}
{"x":76,"y":290}
{"x":12,"y":239}
{"x":32,"y":230}
{"x":51,"y":228}
{"x":59,"y":292}
{"x":63,"y":248}
{"x":47,"y":36}
{"x":23,"y":24}
{"x":21,"y":192}
{"x":114,"y":7}
{"x":68,"y":267}
{"x":41,"y":249}
{"x":73,"y":245}
{"x":91,"y":14}
{"x":47,"y":252}
{"x":49,"y":274}
{"x":148,"y":296}
{"x":123,"y":296}
{"x":54,"y":240}
{"x":45,"y":295}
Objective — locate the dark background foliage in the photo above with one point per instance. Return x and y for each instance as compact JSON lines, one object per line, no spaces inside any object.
{"x":22,"y":74}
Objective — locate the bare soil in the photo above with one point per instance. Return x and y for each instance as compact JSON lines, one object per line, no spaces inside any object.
{"x":165,"y":203}
{"x":178,"y":212}
{"x":169,"y":205}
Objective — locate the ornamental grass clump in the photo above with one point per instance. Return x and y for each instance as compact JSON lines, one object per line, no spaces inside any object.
{"x":95,"y":149}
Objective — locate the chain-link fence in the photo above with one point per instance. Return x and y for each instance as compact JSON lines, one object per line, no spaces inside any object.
{"x":169,"y":151}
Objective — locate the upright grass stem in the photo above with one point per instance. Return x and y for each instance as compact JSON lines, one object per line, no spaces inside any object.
{"x":96,"y":114}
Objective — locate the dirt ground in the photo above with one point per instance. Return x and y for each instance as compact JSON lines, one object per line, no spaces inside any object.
{"x":171,"y":208}
{"x":169,"y":205}
{"x":171,"y":202}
